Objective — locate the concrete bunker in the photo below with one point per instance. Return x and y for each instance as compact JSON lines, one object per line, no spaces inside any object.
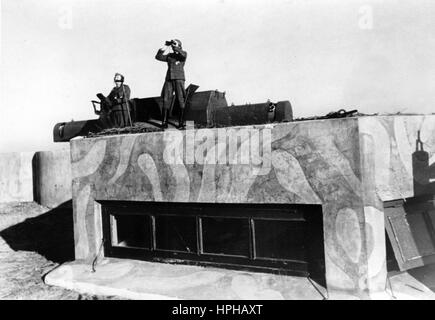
{"x":355,"y":193}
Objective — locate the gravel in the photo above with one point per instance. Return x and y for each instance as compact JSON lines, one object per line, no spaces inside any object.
{"x":34,"y":240}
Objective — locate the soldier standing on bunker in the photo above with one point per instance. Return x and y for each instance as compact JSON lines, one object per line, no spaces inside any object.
{"x":173,"y":54}
{"x":118,"y":99}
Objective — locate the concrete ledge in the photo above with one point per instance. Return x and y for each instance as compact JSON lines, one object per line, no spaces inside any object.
{"x":141,"y":280}
{"x":415,"y":284}
{"x":146,"y":281}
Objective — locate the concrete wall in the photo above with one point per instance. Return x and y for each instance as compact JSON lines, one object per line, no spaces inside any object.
{"x":44,"y":177}
{"x":52,"y":177}
{"x":16,"y":181}
{"x":398,"y":156}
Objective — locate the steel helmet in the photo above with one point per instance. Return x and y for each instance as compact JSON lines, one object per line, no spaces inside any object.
{"x":118,"y":76}
{"x":178,"y":42}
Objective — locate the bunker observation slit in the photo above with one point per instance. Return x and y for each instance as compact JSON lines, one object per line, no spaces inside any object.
{"x":285,"y":239}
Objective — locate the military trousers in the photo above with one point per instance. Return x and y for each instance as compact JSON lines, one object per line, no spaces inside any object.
{"x":169,"y":88}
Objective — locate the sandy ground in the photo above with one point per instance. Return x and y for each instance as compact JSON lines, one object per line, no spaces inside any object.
{"x":33,"y":241}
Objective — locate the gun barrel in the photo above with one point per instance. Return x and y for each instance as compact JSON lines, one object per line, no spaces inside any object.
{"x":64,"y":131}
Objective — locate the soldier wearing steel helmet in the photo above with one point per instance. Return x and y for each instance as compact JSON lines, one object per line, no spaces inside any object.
{"x":119,"y":97}
{"x":173,"y":54}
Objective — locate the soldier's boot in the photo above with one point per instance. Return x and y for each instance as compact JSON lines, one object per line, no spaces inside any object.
{"x":181,"y":123}
{"x":165,"y":119}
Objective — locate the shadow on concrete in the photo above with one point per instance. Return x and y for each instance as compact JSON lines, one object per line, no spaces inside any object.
{"x":414,"y":225}
{"x":35,"y":178}
{"x":422,"y":226}
{"x":422,"y":172}
{"x":425,"y":275}
{"x":392,"y":264}
{"x":50,"y":234}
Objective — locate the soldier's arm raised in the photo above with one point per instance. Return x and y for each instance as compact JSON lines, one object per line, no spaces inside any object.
{"x":160,"y":56}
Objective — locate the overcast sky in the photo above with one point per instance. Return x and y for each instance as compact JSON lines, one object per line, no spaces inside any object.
{"x":376,"y":56}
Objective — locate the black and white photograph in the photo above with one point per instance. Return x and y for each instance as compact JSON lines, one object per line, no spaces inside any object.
{"x":226,"y":151}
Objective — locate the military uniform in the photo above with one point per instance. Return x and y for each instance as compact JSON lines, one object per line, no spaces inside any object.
{"x":119,"y":113}
{"x":175,"y":78}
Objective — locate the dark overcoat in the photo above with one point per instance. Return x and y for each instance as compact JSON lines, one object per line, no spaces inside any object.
{"x":176,"y":61}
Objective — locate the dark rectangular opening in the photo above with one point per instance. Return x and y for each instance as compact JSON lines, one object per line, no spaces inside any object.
{"x":282,"y":240}
{"x":131,"y":231}
{"x":226,"y":236}
{"x":270,"y":238}
{"x":174,"y":233}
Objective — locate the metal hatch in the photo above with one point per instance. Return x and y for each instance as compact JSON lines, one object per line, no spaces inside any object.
{"x":410,"y":226}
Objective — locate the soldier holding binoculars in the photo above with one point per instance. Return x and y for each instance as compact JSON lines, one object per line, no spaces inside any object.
{"x":173,"y":54}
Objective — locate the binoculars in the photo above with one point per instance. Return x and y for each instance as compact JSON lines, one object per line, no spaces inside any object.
{"x":170,"y":43}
